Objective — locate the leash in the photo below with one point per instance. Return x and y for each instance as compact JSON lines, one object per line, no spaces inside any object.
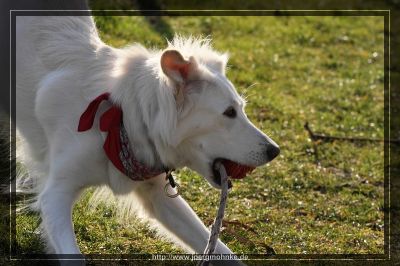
{"x":216,"y":227}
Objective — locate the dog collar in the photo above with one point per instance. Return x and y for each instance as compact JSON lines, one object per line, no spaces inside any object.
{"x":116,"y":145}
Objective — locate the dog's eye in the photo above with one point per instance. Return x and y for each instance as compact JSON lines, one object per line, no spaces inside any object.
{"x":230,"y":112}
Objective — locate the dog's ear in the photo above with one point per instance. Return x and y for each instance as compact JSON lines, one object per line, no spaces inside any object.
{"x":176,"y":67}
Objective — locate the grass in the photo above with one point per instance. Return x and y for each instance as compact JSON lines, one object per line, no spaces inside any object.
{"x":325,"y":70}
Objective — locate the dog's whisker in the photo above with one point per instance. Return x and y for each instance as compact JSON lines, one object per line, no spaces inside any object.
{"x":248,"y":95}
{"x":251,"y":85}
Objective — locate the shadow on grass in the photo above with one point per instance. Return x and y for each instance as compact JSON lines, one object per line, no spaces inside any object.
{"x":156,"y":22}
{"x":148,"y":9}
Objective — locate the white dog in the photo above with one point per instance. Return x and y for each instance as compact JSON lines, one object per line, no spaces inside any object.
{"x":139,"y":112}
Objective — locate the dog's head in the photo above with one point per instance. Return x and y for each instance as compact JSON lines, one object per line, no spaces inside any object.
{"x":211,"y":123}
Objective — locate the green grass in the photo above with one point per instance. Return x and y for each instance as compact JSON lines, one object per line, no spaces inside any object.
{"x":325,"y":70}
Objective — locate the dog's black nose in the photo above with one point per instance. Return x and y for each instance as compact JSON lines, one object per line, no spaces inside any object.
{"x":272,"y":151}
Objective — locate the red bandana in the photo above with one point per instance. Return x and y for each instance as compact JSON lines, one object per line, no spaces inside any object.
{"x":116,"y":144}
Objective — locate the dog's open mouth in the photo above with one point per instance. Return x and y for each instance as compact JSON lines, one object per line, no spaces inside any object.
{"x":233,"y":170}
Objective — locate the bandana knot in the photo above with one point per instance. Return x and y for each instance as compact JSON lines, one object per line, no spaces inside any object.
{"x":116,"y":145}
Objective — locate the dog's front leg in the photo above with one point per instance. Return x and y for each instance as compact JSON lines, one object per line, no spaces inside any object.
{"x":178,"y":217}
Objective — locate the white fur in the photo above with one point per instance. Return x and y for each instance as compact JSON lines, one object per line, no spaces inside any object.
{"x":62,"y":65}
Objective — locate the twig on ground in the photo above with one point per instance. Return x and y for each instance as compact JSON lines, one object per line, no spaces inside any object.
{"x":322,"y":137}
{"x":240,"y":224}
{"x":315,"y":137}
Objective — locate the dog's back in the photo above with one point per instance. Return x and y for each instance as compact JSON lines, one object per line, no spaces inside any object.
{"x":29,"y":71}
{"x":44,"y":46}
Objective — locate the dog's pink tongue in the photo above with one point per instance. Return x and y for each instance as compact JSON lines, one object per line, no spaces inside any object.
{"x":236,"y":171}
